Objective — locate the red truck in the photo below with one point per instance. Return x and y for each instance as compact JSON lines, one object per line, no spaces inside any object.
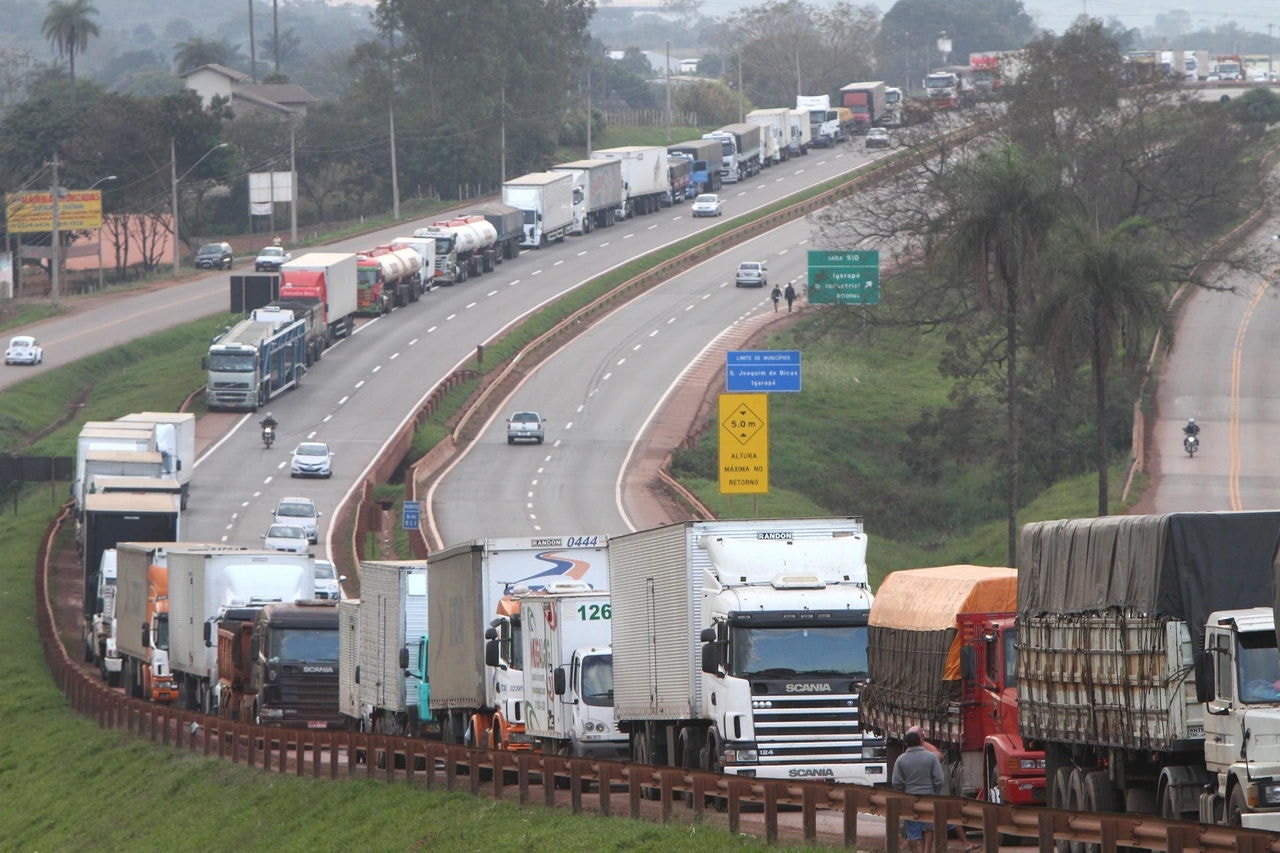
{"x":386,"y":278}
{"x":326,"y":278}
{"x":941,"y":653}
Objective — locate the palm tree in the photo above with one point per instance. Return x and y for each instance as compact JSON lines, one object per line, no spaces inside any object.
{"x":195,"y":52}
{"x":68,"y":28}
{"x":1109,"y":291}
{"x":1001,"y":208}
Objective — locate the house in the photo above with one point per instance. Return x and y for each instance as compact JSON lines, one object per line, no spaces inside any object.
{"x":282,"y":99}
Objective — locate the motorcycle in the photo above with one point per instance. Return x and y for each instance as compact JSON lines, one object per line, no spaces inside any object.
{"x":1191,"y":444}
{"x":268,"y":436}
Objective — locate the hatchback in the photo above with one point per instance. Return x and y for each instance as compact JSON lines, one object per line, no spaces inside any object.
{"x":270,"y":259}
{"x":300,"y":511}
{"x":311,"y":459}
{"x":286,"y":537}
{"x":708,"y":204}
{"x":328,"y":581}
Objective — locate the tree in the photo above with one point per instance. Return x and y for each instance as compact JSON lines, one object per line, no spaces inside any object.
{"x":1107,"y":294}
{"x":68,"y":26}
{"x":196,"y":52}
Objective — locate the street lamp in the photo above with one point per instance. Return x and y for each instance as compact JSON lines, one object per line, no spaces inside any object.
{"x":91,"y":188}
{"x":173,"y":171}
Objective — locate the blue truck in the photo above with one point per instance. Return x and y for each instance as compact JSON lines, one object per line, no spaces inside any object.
{"x":705,"y":154}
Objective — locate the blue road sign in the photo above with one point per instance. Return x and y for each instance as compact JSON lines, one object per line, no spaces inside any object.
{"x":754,"y":371}
{"x":412,"y":519}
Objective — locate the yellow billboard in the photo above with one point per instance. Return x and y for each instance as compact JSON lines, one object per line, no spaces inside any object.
{"x":744,"y":444}
{"x":78,"y":210}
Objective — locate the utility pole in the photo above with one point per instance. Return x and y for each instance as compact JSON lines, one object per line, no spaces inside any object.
{"x":173,"y":180}
{"x":391,"y":119}
{"x":55,"y":258}
{"x":253,"y":51}
{"x":668,"y":78}
{"x":293,"y":183}
{"x":588,"y":109}
{"x":740,"y":113}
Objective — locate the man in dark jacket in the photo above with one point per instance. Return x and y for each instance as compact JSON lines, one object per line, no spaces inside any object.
{"x":918,"y":771}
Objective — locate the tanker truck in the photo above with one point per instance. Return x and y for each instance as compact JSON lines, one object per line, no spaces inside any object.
{"x":465,"y":246}
{"x":386,"y":278}
{"x":508,"y":221}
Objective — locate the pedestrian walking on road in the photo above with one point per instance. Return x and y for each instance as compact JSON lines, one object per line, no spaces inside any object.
{"x":776,"y":296}
{"x":917,"y":771}
{"x":791,"y":295}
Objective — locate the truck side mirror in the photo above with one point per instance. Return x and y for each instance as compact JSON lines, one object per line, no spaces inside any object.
{"x":208,"y":635}
{"x":968,"y":663}
{"x":357,"y":678}
{"x":710,"y":660}
{"x":404,"y":658}
{"x":491,"y":655}
{"x":204,"y":363}
{"x":146,"y":637}
{"x":708,"y":635}
{"x":558,"y":681}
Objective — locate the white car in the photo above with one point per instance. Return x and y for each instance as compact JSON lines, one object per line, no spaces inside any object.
{"x":523,"y":426}
{"x":23,"y":349}
{"x":270,"y":259}
{"x":311,"y":459}
{"x":708,"y":204}
{"x":328,"y":581}
{"x":300,"y":511}
{"x":286,"y":537}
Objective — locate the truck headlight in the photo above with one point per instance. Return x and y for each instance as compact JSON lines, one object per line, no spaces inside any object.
{"x":1031,"y":763}
{"x":1269,"y":793}
{"x":873,"y":747}
{"x":741,"y":756}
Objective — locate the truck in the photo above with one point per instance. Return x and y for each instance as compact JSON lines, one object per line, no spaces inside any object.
{"x":207,"y":585}
{"x":776,"y":134}
{"x":741,"y":148}
{"x":1147,"y":664}
{"x":894,"y":116}
{"x":1228,"y":67}
{"x":597,"y":192}
{"x":379,"y":650}
{"x":285,"y":312}
{"x":941,"y":650}
{"x":255,"y":361}
{"x":425,"y":248}
{"x":740,"y":646}
{"x":568,"y":684}
{"x":508,"y":221}
{"x":645,"y":180}
{"x":985,"y":69}
{"x":142,"y":621}
{"x":680,"y":178}
{"x":545,"y":200}
{"x":474,"y":663}
{"x":942,"y":89}
{"x":119,"y":463}
{"x":99,"y":639}
{"x":825,"y":125}
{"x":799,"y":132}
{"x":866,"y":100}
{"x":175,"y":440}
{"x":278,"y":665}
{"x":386,"y":279}
{"x":98,"y":436}
{"x":705,"y":154}
{"x":327,"y":279}
{"x":465,"y":246}
{"x":112,"y":518}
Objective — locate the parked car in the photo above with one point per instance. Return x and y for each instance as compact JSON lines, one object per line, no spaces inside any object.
{"x":878,"y":137}
{"x":23,"y":349}
{"x":300,"y":511}
{"x":286,"y":537}
{"x":328,"y":581}
{"x":751,"y":274}
{"x":215,"y":256}
{"x":311,"y":459}
{"x":708,"y":204}
{"x":525,"y":426}
{"x":270,"y":259}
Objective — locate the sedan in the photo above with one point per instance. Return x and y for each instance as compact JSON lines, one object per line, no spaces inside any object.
{"x":328,"y":581}
{"x":312,"y":459}
{"x":878,"y":137}
{"x":708,"y":204}
{"x":271,"y":258}
{"x":23,"y":349}
{"x":301,"y":511}
{"x":286,"y":537}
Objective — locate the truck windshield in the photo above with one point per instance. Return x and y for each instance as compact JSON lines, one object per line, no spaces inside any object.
{"x":1259,"y":668}
{"x":809,"y":651}
{"x":1010,"y":640}
{"x":160,"y":640}
{"x":226,"y":362}
{"x":444,"y":245}
{"x":943,"y":82}
{"x":727,"y":148}
{"x":366,"y":276}
{"x":597,"y":680}
{"x":308,"y":644}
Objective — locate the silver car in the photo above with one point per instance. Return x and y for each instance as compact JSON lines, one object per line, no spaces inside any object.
{"x":286,"y":537}
{"x":312,"y":459}
{"x":751,"y":274}
{"x":525,"y":426}
{"x":328,"y":581}
{"x":300,"y":511}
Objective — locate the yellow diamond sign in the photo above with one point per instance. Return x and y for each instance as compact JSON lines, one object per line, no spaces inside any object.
{"x":744,"y":444}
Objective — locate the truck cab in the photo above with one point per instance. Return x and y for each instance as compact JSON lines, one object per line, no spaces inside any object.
{"x":504,"y":665}
{"x":585,"y":688}
{"x":1242,"y":720}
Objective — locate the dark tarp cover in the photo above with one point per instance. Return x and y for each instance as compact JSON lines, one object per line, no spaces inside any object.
{"x":1178,"y":565}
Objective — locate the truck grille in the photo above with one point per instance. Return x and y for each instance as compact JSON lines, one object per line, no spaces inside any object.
{"x":817,"y":728}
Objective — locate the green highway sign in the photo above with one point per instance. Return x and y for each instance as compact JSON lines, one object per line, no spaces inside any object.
{"x":844,"y":278}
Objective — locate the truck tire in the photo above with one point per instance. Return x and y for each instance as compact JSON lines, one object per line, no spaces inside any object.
{"x":1237,"y":805}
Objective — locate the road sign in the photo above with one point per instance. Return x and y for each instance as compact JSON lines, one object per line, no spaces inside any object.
{"x":762,"y":370}
{"x":412,"y":519}
{"x":844,"y":278}
{"x":744,"y":444}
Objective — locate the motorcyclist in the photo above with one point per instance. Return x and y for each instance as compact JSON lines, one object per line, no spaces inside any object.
{"x":1192,"y":429}
{"x":268,"y":425}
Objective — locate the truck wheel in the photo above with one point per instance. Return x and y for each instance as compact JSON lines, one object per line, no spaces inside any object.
{"x":1059,"y":795}
{"x":1237,"y":806}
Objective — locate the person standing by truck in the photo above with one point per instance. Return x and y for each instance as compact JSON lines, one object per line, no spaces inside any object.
{"x":917,"y":771}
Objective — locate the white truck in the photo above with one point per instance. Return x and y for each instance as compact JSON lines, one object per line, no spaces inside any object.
{"x":175,"y":440}
{"x":776,"y":123}
{"x":799,"y":132}
{"x":118,"y":463}
{"x":474,"y":660}
{"x":645,"y":178}
{"x":597,"y":192}
{"x":207,"y":585}
{"x":824,"y":122}
{"x":742,"y":150}
{"x":99,"y":641}
{"x":546,"y":198}
{"x":465,"y":246}
{"x":741,"y":646}
{"x":96,"y":436}
{"x":568,"y":684}
{"x":381,"y":635}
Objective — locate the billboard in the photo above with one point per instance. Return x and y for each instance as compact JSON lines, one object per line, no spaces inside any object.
{"x":31,"y":213}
